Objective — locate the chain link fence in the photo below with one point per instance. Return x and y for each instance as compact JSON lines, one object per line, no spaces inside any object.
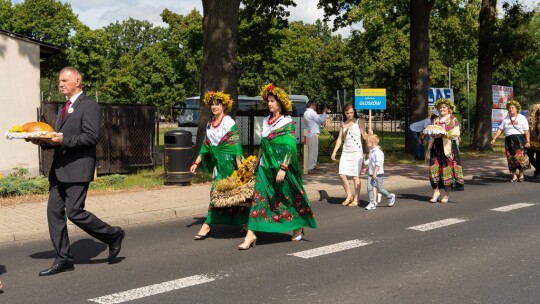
{"x":127,"y":141}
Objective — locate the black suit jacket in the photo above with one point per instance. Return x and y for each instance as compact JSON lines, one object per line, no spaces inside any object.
{"x":74,"y":160}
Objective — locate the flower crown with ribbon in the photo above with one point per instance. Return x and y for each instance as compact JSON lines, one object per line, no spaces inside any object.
{"x":279,"y":93}
{"x":225,"y":99}
{"x":513,"y":103}
{"x":447,"y":102}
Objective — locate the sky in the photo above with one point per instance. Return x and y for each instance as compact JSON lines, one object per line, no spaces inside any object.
{"x":99,"y":13}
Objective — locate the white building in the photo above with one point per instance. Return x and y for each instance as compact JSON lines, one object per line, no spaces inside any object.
{"x":20,"y":59}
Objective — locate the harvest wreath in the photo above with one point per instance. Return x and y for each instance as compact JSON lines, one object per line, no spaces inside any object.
{"x":237,"y":189}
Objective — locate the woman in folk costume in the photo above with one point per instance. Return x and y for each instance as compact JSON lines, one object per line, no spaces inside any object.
{"x":220,"y":154}
{"x":445,"y":171}
{"x":534,"y":130}
{"x":517,"y":139}
{"x":280,"y":203}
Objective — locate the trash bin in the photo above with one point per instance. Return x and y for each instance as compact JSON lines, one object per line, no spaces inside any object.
{"x":178,"y":157}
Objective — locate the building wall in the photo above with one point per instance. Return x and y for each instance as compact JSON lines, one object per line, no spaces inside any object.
{"x":19,"y":100}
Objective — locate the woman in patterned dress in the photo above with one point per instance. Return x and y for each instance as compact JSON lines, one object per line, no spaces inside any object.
{"x":280,"y":203}
{"x":220,"y":154}
{"x":517,"y":139}
{"x":445,"y":171}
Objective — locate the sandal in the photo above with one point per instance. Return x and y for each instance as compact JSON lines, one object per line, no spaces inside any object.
{"x":200,"y":237}
{"x":353,"y":204}
{"x":521,"y":177}
{"x":347,"y":201}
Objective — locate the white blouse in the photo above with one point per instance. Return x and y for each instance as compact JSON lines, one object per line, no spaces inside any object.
{"x":267,"y":128}
{"x":514,"y":126}
{"x":216,"y":134}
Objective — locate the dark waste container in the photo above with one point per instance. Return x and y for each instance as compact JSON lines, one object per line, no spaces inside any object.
{"x":178,"y":157}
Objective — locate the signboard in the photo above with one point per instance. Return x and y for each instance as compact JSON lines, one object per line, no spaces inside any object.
{"x":436,"y":94}
{"x":370,"y":99}
{"x":501,"y":95}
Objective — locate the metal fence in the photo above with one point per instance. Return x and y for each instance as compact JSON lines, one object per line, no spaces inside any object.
{"x":127,"y":141}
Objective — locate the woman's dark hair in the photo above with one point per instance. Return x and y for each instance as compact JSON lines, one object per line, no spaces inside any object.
{"x":346,"y":108}
{"x":283,"y":110}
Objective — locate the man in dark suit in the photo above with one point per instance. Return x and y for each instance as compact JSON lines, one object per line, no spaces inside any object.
{"x":74,"y":143}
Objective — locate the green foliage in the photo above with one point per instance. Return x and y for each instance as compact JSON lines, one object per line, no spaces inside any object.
{"x":17,"y":184}
{"x":6,"y":15}
{"x":108,"y":181}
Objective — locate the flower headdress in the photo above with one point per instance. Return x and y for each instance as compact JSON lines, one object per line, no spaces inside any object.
{"x":513,"y":103}
{"x":447,"y":102}
{"x":279,"y":93}
{"x":225,"y":99}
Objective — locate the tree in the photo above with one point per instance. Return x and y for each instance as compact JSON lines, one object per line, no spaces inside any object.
{"x":89,"y":52}
{"x":419,"y":57}
{"x":132,"y":36}
{"x":220,"y":66}
{"x":5,"y":15}
{"x":502,"y":46}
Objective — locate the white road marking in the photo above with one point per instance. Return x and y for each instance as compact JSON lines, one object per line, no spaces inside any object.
{"x":155,"y":289}
{"x":513,"y":207}
{"x":330,"y":249}
{"x":438,"y":224}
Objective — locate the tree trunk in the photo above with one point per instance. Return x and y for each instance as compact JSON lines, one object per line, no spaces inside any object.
{"x":484,"y":82}
{"x":220,"y":68}
{"x":419,"y":60}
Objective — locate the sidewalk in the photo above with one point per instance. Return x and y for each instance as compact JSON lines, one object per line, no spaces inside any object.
{"x":29,"y":221}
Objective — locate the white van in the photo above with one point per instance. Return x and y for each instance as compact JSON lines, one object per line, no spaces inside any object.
{"x":189,"y":116}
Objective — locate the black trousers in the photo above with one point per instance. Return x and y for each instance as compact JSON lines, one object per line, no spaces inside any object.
{"x":68,"y":200}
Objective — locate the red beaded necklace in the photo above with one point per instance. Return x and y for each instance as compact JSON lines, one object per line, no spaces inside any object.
{"x":272,"y":121}
{"x":214,"y":124}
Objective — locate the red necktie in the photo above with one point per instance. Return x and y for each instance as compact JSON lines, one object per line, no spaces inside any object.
{"x":65,"y":110}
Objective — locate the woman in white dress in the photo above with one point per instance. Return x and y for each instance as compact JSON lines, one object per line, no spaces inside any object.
{"x":352,"y":157}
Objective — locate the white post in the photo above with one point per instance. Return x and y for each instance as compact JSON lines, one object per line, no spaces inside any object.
{"x":468,"y":109}
{"x":306,"y":153}
{"x":369,"y":123}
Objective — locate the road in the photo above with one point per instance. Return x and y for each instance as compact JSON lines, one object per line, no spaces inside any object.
{"x":466,"y":251}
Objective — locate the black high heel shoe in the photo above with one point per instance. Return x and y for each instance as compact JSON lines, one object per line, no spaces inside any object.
{"x":200,"y":237}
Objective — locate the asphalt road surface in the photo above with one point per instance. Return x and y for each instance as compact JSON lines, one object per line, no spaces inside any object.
{"x":481,"y":247}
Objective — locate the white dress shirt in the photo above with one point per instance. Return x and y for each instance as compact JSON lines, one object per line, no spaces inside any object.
{"x":313,"y":121}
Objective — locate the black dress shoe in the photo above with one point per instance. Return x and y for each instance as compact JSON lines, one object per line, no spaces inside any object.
{"x":116,"y":246}
{"x":57,"y":267}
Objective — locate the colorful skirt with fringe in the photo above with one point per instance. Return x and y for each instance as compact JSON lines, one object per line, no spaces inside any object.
{"x":445,"y":172}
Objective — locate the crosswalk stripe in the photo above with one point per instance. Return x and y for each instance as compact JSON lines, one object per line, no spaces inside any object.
{"x":513,"y":207}
{"x":155,"y":289}
{"x":438,"y":224}
{"x":330,"y":249}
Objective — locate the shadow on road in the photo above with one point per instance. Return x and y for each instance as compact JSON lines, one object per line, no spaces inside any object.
{"x":83,"y":250}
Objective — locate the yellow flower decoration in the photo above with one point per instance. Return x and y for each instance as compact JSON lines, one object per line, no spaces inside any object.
{"x":447,"y":102}
{"x":225,"y":99}
{"x":244,"y":174}
{"x":513,"y":103}
{"x":279,"y":93}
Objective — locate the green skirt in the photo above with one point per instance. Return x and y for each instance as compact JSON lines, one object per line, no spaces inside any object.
{"x":279,"y":207}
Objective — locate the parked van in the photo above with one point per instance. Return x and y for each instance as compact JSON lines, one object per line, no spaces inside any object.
{"x":189,"y":116}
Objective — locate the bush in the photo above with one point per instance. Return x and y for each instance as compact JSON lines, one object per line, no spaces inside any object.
{"x":108,"y":181}
{"x":14,"y":185}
